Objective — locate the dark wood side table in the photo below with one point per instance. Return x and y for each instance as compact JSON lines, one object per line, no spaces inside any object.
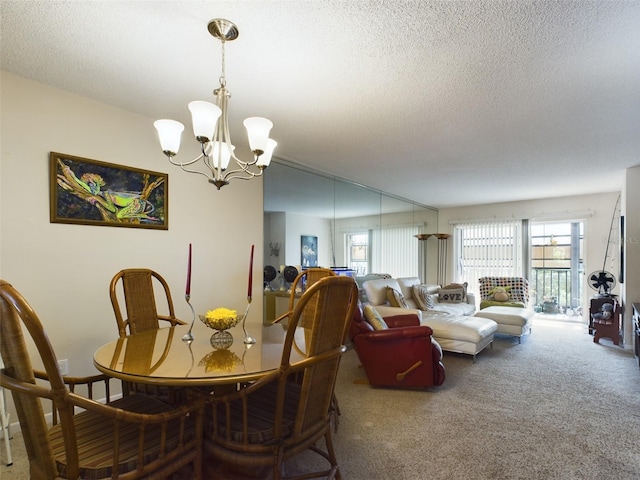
{"x":636,"y":330}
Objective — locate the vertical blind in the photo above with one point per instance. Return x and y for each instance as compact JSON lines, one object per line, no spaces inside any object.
{"x":488,"y":249}
{"x":395,"y":251}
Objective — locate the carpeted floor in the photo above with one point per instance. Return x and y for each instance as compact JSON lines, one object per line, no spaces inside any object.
{"x":556,"y":406}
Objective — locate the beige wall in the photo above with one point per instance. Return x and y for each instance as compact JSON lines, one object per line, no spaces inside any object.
{"x":64,"y":270}
{"x":631,"y":211}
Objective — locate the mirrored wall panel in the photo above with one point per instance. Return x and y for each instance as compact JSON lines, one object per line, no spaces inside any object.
{"x":312,"y":219}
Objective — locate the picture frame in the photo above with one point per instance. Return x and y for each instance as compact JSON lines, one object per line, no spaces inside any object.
{"x":91,"y":192}
{"x":308,"y":251}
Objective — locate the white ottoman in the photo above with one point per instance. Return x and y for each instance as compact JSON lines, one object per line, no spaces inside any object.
{"x":511,"y":320}
{"x":460,"y":334}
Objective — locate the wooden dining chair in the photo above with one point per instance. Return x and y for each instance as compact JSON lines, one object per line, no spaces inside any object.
{"x":136,"y":436}
{"x":305,"y":279}
{"x":276,"y":418}
{"x":136,"y":286}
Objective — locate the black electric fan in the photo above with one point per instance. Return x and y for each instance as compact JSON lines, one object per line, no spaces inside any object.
{"x":289,"y":274}
{"x":270,"y":274}
{"x":602,"y":282}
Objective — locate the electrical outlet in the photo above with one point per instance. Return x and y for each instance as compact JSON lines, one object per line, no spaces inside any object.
{"x":63,"y":366}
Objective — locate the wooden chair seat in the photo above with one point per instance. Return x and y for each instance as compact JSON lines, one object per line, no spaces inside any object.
{"x":95,"y":430}
{"x":260,"y":410}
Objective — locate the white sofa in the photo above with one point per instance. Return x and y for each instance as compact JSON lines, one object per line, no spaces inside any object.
{"x":453,"y":324}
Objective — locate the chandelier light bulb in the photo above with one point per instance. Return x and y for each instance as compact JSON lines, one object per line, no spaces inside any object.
{"x":169,"y":133}
{"x":265,"y":159}
{"x":221,"y":154}
{"x":204,"y":116}
{"x":258,"y":129}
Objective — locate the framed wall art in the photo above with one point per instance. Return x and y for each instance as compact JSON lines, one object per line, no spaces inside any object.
{"x":308,"y":251}
{"x":91,"y":192}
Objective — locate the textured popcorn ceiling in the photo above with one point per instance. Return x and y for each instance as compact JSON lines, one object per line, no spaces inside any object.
{"x":446,"y":103}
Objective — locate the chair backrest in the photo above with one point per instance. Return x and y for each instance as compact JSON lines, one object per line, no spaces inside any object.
{"x":305,"y":280}
{"x":333,"y":300}
{"x":15,"y":311}
{"x":518,"y":291}
{"x":301,"y":283}
{"x":140,"y":303}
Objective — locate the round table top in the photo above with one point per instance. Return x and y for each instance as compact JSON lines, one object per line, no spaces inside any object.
{"x":161,"y":357}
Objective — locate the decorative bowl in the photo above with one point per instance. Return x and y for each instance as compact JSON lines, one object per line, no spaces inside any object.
{"x":221,"y":319}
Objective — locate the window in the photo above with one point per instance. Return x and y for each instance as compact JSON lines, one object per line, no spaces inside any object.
{"x":358,"y":252}
{"x":488,"y":249}
{"x":557,"y":265}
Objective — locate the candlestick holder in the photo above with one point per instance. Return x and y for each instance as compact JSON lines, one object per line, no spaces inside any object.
{"x":248,"y":339}
{"x":192,"y":360}
{"x":188,"y":337}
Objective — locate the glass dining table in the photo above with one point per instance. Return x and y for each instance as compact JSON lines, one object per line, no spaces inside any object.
{"x":161,"y":357}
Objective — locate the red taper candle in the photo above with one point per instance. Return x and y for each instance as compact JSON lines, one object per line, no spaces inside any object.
{"x":188,"y":291}
{"x":250,"y":273}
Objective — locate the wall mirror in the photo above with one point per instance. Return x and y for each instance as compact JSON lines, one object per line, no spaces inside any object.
{"x":356,"y":227}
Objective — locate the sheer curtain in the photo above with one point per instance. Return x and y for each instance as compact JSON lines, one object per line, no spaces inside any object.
{"x":492,"y":248}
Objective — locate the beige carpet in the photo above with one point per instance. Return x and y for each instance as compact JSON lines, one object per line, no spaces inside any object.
{"x":556,"y":406}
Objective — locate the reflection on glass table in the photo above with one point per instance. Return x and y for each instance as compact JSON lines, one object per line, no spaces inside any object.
{"x":160,"y":357}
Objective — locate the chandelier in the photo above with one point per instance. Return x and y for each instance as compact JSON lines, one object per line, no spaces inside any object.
{"x":211,"y":129}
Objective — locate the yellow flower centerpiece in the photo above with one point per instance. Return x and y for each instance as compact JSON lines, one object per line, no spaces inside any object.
{"x":221,"y":319}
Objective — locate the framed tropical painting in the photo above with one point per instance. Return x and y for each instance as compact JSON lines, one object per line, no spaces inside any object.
{"x":91,"y":192}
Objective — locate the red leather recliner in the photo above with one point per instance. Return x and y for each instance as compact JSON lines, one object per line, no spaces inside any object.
{"x":404,"y":355}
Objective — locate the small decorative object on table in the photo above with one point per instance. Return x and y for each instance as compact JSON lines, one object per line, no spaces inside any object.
{"x":221,"y":319}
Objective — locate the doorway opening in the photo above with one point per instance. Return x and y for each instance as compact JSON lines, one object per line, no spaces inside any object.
{"x":557,"y":267}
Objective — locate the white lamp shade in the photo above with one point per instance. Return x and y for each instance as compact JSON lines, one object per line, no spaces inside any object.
{"x":220,"y":153}
{"x":204,"y":116}
{"x":258,"y":132}
{"x":265,"y":159}
{"x":169,"y":132}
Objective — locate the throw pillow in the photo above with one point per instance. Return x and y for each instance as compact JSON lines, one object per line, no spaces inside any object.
{"x":456,"y":286}
{"x":451,"y":295}
{"x":373,"y":318}
{"x":424,"y":299}
{"x":395,"y":298}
